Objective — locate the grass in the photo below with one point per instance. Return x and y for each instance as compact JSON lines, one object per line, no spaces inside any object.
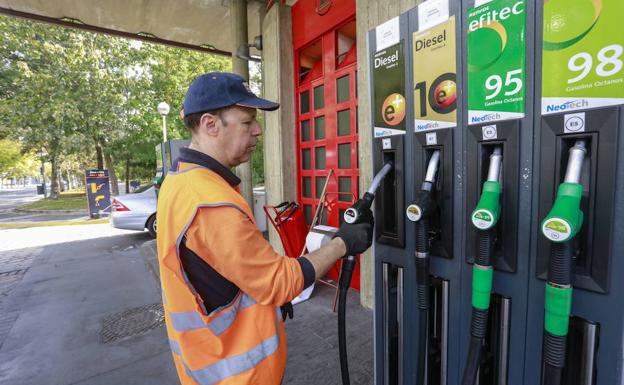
{"x":52,"y":223}
{"x":64,"y":202}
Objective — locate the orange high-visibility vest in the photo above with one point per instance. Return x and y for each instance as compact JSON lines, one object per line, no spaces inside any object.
{"x":239,"y":343}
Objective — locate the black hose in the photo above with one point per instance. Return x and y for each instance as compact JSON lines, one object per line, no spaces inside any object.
{"x":479,"y":319}
{"x":559,"y":273}
{"x":423,"y":284}
{"x":422,"y":346}
{"x":560,"y":263}
{"x":472,"y":363}
{"x":552,"y":375}
{"x":348,"y":264}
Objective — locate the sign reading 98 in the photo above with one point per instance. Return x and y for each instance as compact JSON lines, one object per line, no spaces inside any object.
{"x":609,"y":63}
{"x":441,"y":96}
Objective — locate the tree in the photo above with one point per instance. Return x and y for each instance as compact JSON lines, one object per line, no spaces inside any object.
{"x":71,"y":93}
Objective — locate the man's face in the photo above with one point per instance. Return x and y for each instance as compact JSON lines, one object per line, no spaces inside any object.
{"x":238,"y":133}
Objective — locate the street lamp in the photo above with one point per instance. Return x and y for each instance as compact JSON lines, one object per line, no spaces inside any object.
{"x":42,"y":172}
{"x":163,"y":110}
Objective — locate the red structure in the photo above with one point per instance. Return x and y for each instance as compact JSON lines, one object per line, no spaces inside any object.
{"x":324,"y":39}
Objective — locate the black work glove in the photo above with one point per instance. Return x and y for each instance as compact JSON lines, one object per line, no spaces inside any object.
{"x":358,"y":237}
{"x":287,"y":311}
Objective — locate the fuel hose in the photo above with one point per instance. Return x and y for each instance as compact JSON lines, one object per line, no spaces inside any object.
{"x":560,"y":226}
{"x":484,"y":218}
{"x":419,"y":211}
{"x":353,"y":215}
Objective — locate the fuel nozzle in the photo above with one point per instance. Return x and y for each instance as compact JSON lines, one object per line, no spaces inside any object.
{"x":486,"y":214}
{"x":424,"y":204}
{"x":354,"y":213}
{"x":566,"y":217}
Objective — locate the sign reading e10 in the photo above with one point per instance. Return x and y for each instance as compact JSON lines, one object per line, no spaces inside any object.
{"x":441,"y":96}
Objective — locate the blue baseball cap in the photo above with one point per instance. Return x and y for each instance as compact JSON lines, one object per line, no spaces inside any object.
{"x":216,"y":90}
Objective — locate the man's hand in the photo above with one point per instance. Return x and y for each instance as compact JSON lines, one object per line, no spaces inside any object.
{"x":357,"y":237}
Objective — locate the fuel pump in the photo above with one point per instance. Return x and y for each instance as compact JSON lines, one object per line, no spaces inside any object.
{"x":352,"y":215}
{"x":560,"y":226}
{"x":419,"y":211}
{"x":484,"y":217}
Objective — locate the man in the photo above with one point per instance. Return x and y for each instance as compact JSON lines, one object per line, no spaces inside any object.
{"x":222,"y":282}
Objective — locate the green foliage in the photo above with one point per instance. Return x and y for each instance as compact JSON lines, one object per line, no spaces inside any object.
{"x":9,"y":156}
{"x":14,"y":164}
{"x":64,"y":93}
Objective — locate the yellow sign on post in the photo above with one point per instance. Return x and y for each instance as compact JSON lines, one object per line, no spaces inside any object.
{"x":435,"y":68}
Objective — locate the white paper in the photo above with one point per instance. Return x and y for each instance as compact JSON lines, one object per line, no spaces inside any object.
{"x":387,"y":34}
{"x":432,"y":12}
{"x":479,"y":3}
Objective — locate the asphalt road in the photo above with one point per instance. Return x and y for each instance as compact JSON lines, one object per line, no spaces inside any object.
{"x":12,"y":199}
{"x":79,"y":306}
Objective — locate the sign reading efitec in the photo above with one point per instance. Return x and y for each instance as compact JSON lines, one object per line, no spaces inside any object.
{"x":389,"y":91}
{"x":582,"y":52}
{"x":496,"y":61}
{"x":434,"y":69}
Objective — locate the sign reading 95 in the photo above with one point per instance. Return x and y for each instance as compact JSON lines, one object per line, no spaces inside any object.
{"x":496,"y":61}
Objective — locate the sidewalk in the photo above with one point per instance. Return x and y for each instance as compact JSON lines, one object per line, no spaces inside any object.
{"x":88,"y":312}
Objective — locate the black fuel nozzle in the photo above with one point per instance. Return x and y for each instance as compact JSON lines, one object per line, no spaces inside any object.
{"x":424,"y":204}
{"x":354,"y":213}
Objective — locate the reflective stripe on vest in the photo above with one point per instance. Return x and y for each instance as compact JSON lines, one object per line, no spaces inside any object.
{"x":233,"y":365}
{"x":181,"y":236}
{"x":185,"y":321}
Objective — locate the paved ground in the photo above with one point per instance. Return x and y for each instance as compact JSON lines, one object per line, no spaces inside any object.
{"x":10,"y":199}
{"x":80,"y":305}
{"x":57,"y":297}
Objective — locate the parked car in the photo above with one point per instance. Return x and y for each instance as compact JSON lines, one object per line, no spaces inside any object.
{"x":136,"y":211}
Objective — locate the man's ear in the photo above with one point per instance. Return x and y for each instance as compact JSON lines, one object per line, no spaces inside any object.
{"x":208,"y":122}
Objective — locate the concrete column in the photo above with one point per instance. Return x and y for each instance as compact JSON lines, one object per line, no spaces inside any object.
{"x":238,"y":17}
{"x":369,"y":13}
{"x":280,"y":171}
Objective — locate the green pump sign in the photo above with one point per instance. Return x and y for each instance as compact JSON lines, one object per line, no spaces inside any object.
{"x":582,"y":64}
{"x":496,"y":61}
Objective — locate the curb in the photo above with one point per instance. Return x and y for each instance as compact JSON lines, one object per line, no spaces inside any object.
{"x":51,"y":211}
{"x":150,"y":257}
{"x":24,"y":225}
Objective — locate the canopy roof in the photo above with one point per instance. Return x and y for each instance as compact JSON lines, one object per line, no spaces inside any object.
{"x":195,"y":24}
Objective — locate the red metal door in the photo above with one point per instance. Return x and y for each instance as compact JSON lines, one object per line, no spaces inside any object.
{"x":326,"y":105}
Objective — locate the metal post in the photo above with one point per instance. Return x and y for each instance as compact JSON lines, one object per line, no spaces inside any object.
{"x":238,"y":20}
{"x":164,"y":118}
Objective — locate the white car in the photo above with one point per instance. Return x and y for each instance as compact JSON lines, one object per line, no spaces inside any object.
{"x":136,"y":211}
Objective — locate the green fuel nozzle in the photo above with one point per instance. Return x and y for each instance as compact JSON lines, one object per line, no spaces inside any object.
{"x":565,"y":218}
{"x":486,"y":214}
